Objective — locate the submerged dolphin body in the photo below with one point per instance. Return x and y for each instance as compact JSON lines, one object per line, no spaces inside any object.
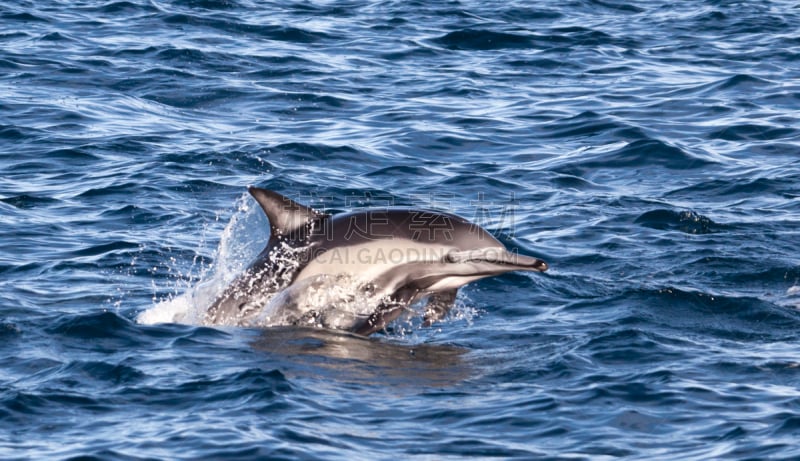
{"x":386,"y":259}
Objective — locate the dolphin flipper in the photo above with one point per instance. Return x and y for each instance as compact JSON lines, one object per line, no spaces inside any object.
{"x":383,"y":316}
{"x":439,"y":304}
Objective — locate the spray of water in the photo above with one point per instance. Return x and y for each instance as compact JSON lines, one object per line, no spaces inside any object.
{"x":235,"y":250}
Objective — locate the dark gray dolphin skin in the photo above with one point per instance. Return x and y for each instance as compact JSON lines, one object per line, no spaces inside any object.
{"x":400,"y":255}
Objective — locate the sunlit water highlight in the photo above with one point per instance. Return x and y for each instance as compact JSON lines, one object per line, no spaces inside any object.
{"x":650,"y":152}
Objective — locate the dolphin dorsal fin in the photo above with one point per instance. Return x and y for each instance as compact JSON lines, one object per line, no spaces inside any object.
{"x":287,"y":218}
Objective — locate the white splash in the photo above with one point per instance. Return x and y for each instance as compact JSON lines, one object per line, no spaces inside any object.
{"x":325,"y":301}
{"x":237,"y":247}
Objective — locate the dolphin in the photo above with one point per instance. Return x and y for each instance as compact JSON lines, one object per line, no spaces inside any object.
{"x":386,"y":259}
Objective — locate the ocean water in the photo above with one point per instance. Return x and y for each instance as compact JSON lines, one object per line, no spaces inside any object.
{"x":648,"y":151}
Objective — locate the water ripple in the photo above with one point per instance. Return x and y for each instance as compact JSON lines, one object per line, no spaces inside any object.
{"x":647,"y":151}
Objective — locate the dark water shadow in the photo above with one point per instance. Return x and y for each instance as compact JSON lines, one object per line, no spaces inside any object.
{"x":349,"y":358}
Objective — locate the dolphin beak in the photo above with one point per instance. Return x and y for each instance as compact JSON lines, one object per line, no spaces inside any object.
{"x":500,"y":258}
{"x":528,"y":263}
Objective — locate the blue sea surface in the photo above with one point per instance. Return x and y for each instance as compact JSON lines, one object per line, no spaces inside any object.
{"x":648,"y":151}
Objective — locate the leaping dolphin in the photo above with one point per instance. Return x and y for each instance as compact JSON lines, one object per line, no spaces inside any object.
{"x":384,"y":259}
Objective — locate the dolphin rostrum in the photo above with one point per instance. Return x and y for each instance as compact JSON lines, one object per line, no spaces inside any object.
{"x":359,"y":270}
